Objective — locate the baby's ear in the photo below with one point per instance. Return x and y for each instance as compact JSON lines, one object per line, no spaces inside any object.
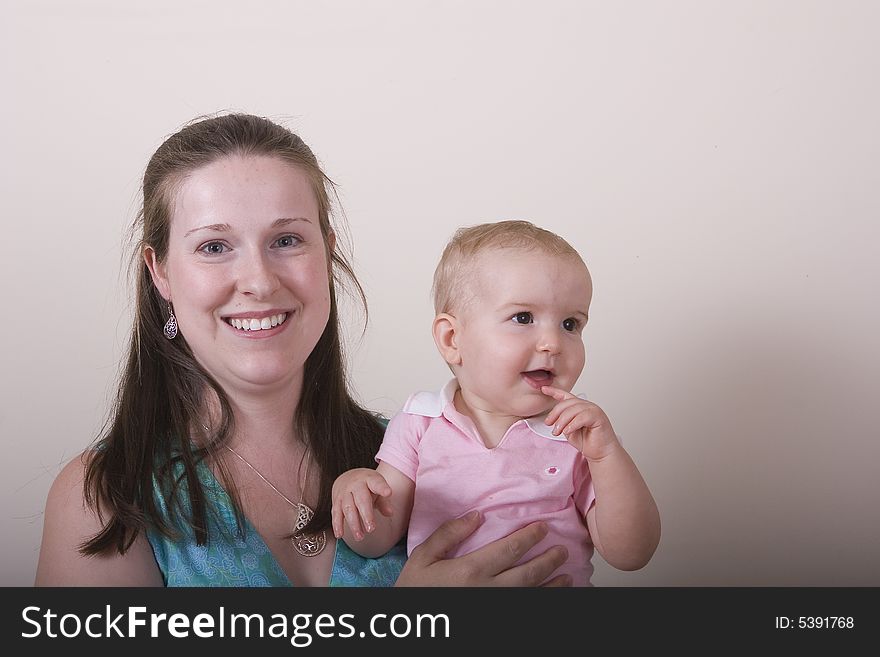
{"x":445,"y":329}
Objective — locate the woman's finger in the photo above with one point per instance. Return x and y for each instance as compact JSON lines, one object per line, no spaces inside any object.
{"x":559,"y":580}
{"x":427,"y":566}
{"x":447,"y":536}
{"x":536,"y":571}
{"x":500,"y":556}
{"x":491,"y":565}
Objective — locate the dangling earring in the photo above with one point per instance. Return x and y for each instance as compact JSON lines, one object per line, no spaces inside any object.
{"x":171,"y":324}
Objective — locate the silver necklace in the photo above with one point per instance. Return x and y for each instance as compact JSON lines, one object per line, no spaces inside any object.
{"x":308,"y":545}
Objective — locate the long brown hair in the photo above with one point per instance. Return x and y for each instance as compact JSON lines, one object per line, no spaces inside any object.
{"x":145,"y":446}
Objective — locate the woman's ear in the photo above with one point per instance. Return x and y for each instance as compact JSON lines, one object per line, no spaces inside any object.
{"x":157,"y":272}
{"x":331,"y":241}
{"x":445,"y":330}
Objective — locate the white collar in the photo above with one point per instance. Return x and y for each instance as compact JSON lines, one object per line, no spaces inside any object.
{"x":432,"y":404}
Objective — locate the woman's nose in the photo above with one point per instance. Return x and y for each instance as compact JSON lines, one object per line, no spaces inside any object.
{"x":256,"y":277}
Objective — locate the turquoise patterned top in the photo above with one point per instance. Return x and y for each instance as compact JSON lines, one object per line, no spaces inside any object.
{"x":229,"y":559}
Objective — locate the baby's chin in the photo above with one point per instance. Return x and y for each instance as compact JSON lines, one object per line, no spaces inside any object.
{"x":537,"y":410}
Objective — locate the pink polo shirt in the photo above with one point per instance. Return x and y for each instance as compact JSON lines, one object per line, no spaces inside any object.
{"x":530,"y":475}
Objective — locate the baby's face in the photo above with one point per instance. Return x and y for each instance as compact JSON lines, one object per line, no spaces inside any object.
{"x":522,"y":328}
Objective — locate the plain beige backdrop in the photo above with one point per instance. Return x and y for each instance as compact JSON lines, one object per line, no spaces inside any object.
{"x":717,"y":163}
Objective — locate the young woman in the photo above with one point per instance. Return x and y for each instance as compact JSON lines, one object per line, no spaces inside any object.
{"x":233,"y":417}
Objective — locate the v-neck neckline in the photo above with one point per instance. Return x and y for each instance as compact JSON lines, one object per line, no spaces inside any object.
{"x":227,"y":511}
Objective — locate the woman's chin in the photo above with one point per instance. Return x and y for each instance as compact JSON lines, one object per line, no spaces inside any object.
{"x":264,"y":378}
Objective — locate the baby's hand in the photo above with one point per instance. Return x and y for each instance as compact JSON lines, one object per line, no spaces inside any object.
{"x":355,"y":494}
{"x":584,"y":424}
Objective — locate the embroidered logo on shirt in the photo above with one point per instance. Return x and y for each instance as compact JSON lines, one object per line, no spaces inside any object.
{"x":552,"y":471}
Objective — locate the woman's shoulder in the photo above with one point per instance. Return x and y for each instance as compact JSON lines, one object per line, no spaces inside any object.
{"x":67,"y":510}
{"x":68,"y":522}
{"x":68,"y":484}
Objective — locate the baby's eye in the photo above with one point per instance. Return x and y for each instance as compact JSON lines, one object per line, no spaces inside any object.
{"x":570,"y":324}
{"x":213,"y":248}
{"x":523,"y":318}
{"x":287,"y":241}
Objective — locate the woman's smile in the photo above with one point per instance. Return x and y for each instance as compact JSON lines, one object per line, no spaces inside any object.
{"x":257,"y":323}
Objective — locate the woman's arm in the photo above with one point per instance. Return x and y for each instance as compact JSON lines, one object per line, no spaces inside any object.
{"x":491,"y":565}
{"x":68,"y":523}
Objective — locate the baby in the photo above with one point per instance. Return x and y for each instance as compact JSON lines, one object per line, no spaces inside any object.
{"x":505,"y":437}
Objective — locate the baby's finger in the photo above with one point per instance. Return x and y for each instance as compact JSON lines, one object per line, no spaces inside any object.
{"x":363,"y":500}
{"x":572,"y":420}
{"x":378,"y":485}
{"x":383,"y":506}
{"x":560,"y":408}
{"x":336,"y":519}
{"x":352,"y":517}
{"x":557,"y":393}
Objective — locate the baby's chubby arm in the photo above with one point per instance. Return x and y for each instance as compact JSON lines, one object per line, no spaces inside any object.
{"x":624,"y":522}
{"x":357,"y":494}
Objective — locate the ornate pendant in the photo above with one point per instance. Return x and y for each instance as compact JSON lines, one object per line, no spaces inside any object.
{"x":308,"y":545}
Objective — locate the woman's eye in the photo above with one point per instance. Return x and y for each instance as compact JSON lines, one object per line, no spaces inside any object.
{"x":287,"y":240}
{"x":213,"y":248}
{"x":570,"y":324}
{"x":523,"y":318}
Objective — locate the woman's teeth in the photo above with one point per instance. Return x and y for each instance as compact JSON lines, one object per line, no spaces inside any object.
{"x":258,"y":324}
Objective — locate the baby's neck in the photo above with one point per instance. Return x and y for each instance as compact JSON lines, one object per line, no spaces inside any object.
{"x":490,"y":425}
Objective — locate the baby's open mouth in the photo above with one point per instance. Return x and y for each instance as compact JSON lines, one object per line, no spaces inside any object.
{"x":257,"y":323}
{"x":538,"y":378}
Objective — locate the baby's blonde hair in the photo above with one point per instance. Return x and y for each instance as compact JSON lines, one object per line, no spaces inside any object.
{"x":460,"y":255}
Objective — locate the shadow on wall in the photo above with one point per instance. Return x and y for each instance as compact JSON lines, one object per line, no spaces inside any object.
{"x":761,"y":452}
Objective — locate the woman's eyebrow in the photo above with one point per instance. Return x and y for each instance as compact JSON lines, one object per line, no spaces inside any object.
{"x":282,"y":221}
{"x":216,"y":227}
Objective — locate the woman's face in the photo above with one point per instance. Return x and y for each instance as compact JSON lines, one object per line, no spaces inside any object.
{"x":247,"y":270}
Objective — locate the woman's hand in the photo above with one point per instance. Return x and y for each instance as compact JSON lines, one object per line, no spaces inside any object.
{"x":491,"y":565}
